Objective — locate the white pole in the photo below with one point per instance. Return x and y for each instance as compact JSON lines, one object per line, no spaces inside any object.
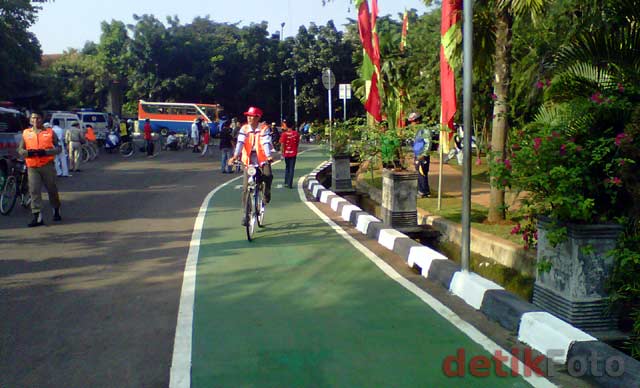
{"x":295,"y":102}
{"x":330,"y":119}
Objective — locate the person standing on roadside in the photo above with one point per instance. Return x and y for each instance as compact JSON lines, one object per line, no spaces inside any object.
{"x":422,"y":154}
{"x":289,"y":141}
{"x":226,"y":148}
{"x":74,"y":139}
{"x":62,"y":168}
{"x":39,"y":146}
{"x":196,"y":128}
{"x":148,"y":138}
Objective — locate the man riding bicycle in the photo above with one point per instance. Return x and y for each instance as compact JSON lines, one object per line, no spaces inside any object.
{"x":254,"y":142}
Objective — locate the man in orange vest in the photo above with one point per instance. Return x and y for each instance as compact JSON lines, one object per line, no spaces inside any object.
{"x":254,"y":143}
{"x":39,"y":146}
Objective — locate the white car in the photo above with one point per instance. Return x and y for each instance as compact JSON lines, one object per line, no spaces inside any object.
{"x":97,"y":120}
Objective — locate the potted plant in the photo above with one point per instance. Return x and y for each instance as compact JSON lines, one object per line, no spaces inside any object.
{"x":574,"y":166}
{"x":344,"y":135}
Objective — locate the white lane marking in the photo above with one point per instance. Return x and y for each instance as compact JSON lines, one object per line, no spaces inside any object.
{"x":180,"y":373}
{"x":471,"y":332}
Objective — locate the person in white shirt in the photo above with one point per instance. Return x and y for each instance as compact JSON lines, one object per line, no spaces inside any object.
{"x":62,"y":167}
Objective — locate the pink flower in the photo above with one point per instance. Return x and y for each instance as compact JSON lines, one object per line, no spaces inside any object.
{"x":621,"y":162}
{"x":478,"y":161}
{"x":616,"y":181}
{"x":548,"y":82}
{"x":507,"y":164}
{"x":620,"y":138}
{"x":539,"y":85}
{"x":620,"y":88}
{"x":516,"y":229}
{"x":597,"y":98}
{"x":537,"y":142}
{"x":494,"y":96}
{"x":563,"y":149}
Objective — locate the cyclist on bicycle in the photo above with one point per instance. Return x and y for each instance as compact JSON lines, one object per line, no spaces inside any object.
{"x":254,"y":143}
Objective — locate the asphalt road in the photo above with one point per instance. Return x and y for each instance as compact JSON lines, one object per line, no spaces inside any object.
{"x":92,"y":301}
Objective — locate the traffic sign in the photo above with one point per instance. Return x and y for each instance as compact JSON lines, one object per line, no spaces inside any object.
{"x":344,"y":91}
{"x":328,"y":79}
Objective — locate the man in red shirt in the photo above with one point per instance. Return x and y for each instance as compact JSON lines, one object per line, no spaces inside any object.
{"x":289,"y":141}
{"x":148,"y":138}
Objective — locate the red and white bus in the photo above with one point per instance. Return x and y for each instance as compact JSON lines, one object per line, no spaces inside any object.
{"x":177,"y":117}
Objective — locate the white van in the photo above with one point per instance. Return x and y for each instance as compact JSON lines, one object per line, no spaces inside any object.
{"x":63,"y":119}
{"x":97,"y":120}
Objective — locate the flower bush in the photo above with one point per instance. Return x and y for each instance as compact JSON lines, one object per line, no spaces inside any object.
{"x":575,"y":163}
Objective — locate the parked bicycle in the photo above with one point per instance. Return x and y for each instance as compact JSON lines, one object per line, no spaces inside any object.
{"x":255,"y":207}
{"x":16,"y":185}
{"x":136,"y":143}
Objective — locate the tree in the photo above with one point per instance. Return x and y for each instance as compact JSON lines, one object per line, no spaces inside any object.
{"x":505,"y":12}
{"x":20,"y":50}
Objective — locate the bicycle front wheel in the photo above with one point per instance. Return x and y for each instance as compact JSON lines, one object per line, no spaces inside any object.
{"x":9,"y":195}
{"x":260,"y":207}
{"x":250,"y":217}
{"x":126,"y":149}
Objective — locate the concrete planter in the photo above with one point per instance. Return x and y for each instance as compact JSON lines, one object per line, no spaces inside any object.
{"x":399,"y":193}
{"x":341,"y":173}
{"x":574,"y":288}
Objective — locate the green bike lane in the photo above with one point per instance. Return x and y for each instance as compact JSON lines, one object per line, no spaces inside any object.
{"x":301,"y":306}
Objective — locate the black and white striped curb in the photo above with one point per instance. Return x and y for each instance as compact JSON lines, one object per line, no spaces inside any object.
{"x":543,"y":332}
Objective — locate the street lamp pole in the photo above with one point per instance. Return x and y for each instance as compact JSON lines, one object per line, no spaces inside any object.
{"x":281,"y":39}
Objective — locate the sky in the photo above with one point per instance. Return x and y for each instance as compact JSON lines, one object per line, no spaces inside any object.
{"x":64,"y":24}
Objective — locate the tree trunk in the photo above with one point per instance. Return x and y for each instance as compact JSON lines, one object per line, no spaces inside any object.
{"x":502,"y":67}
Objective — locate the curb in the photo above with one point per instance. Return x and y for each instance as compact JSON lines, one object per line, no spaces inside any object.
{"x":581,"y":353}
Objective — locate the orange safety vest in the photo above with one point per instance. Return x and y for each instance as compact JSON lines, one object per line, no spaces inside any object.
{"x":40,"y":141}
{"x":91,"y":136}
{"x":249,"y":139}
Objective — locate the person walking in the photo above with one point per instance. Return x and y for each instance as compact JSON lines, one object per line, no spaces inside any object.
{"x":74,"y":139}
{"x":289,"y":141}
{"x":148,"y":138}
{"x":422,"y":154}
{"x":254,"y":146}
{"x":196,"y":128}
{"x":62,"y":167}
{"x":206,"y":138}
{"x":226,"y":148}
{"x":39,"y":146}
{"x":235,"y":131}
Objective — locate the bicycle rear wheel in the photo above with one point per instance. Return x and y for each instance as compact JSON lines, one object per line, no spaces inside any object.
{"x":126,"y":149}
{"x":9,"y":195}
{"x":250,"y":217}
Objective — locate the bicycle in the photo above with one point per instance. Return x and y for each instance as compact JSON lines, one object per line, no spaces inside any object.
{"x":254,"y":211}
{"x":15,"y":185}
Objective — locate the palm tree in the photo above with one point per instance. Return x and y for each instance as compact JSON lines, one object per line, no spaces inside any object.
{"x":505,"y":12}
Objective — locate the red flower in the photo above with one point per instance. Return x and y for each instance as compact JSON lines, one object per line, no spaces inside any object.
{"x":616,"y":181}
{"x":537,"y":142}
{"x":507,"y":164}
{"x":539,"y":85}
{"x":494,"y":96}
{"x":516,"y":229}
{"x":620,"y":88}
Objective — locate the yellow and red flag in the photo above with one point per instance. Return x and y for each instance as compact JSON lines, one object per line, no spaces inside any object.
{"x":450,"y":17}
{"x":405,"y":29}
{"x":371,"y":59}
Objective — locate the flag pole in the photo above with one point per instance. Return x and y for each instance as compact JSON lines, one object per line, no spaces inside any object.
{"x":440,"y":167}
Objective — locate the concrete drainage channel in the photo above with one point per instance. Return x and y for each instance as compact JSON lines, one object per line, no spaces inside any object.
{"x":582,"y":354}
